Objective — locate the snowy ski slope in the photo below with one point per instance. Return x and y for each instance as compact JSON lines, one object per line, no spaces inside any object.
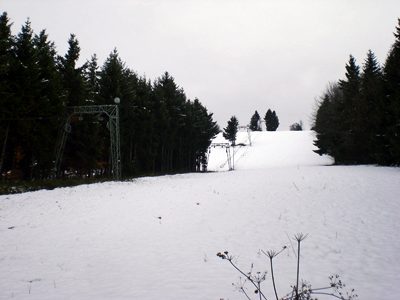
{"x":157,"y":237}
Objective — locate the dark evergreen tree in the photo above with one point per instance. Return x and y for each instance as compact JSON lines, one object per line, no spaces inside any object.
{"x":370,"y":123}
{"x":8,"y":108}
{"x":231,"y":130}
{"x":347,"y":114}
{"x":50,"y":106}
{"x":275,"y":121}
{"x":32,"y":111}
{"x":6,"y":63}
{"x":113,"y":79}
{"x":255,"y":122}
{"x":392,"y":99}
{"x":339,"y":112}
{"x":169,"y":102}
{"x":92,"y":77}
{"x":116,"y":80}
{"x":143,"y":142}
{"x":199,"y":132}
{"x":268,"y":120}
{"x":325,"y":121}
{"x":80,"y":147}
{"x":271,"y":120}
{"x":25,"y":106}
{"x":72,"y":75}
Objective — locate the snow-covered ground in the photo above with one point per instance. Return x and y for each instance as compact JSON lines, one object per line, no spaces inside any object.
{"x":157,"y":238}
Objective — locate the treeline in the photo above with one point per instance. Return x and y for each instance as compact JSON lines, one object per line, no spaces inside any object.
{"x":358,"y":118}
{"x":161,"y":130}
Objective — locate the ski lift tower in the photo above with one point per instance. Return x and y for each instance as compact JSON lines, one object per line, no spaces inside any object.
{"x":112,"y":112}
{"x":247,"y":128}
{"x":227,"y":147}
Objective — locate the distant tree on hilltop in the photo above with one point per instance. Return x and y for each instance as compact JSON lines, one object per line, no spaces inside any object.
{"x":271,"y":120}
{"x":231,"y":130}
{"x":297,"y":126}
{"x":255,"y":124}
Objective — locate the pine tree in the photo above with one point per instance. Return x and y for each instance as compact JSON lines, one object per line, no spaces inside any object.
{"x":6,"y":62}
{"x":392,"y":102}
{"x":348,"y":112}
{"x":268,"y":120}
{"x":50,"y":105}
{"x":116,"y":80}
{"x":80,"y":148}
{"x":255,"y":124}
{"x":33,"y":110}
{"x":92,"y":76}
{"x":170,"y":100}
{"x":144,"y":137}
{"x":199,"y":132}
{"x":325,"y":121}
{"x":112,"y":79}
{"x":72,"y":75}
{"x":6,"y":92}
{"x":371,"y":118}
{"x":275,"y":121}
{"x":25,"y":105}
{"x":271,"y":120}
{"x":231,"y":130}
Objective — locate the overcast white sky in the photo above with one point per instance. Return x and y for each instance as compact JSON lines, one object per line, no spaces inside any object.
{"x":236,"y":56}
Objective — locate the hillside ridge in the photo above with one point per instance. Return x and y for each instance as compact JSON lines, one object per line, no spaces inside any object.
{"x":267,"y":149}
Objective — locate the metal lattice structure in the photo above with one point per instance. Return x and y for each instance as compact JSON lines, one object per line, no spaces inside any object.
{"x":247,"y":128}
{"x":112,"y":112}
{"x":227,"y":147}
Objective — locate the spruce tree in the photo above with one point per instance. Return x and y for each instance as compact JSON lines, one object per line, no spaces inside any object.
{"x":8,"y":109}
{"x":275,"y":121}
{"x":144,"y":136}
{"x":271,"y":120}
{"x":347,"y":114}
{"x":255,"y":124}
{"x":370,"y":121}
{"x":267,"y":119}
{"x":231,"y":130}
{"x":199,"y":132}
{"x":170,"y":101}
{"x":50,"y":104}
{"x":26,"y":107}
{"x":92,"y":76}
{"x":6,"y":63}
{"x":72,"y":75}
{"x":325,"y":121}
{"x":116,"y":80}
{"x":392,"y":102}
{"x":80,"y":148}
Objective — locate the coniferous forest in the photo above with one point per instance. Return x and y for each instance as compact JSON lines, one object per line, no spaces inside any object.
{"x":358,"y":117}
{"x":161,"y":130}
